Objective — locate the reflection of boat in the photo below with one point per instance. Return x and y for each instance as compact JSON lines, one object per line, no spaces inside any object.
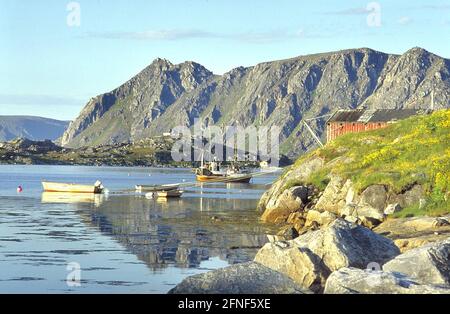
{"x":165,"y":194}
{"x":97,"y":188}
{"x":71,"y":198}
{"x":157,"y":188}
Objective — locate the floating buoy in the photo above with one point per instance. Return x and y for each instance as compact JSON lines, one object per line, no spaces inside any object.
{"x":19,"y":189}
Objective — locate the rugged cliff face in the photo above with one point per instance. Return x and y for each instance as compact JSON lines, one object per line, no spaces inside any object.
{"x":280,"y":93}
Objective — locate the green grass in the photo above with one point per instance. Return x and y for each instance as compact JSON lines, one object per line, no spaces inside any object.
{"x":412,"y":151}
{"x":432,"y":208}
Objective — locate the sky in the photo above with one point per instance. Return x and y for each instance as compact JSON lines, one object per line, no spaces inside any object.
{"x":55,"y":55}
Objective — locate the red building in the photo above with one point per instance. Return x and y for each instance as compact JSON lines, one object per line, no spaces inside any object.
{"x":359,"y":120}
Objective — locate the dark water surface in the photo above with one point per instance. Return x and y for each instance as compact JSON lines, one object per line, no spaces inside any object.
{"x":123,"y":242}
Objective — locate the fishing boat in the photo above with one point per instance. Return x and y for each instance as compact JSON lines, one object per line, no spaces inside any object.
{"x":157,"y":188}
{"x":169,"y":194}
{"x":96,"y":188}
{"x":211,"y":172}
{"x":234,"y":178}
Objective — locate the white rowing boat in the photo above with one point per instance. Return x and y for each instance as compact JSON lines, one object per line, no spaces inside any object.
{"x":156,"y":188}
{"x":96,"y":188}
{"x":165,"y":194}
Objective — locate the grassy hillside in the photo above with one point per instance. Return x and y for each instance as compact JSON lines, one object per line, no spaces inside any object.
{"x":413,"y":151}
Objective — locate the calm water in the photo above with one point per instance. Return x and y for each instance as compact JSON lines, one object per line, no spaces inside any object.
{"x":123,"y":242}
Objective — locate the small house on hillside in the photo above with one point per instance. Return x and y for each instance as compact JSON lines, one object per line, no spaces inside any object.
{"x":359,"y":120}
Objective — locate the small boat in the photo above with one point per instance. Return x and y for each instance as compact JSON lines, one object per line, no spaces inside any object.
{"x":266,"y":167}
{"x":236,"y":178}
{"x":96,"y":188}
{"x":165,"y":194}
{"x":211,"y":172}
{"x":157,"y":188}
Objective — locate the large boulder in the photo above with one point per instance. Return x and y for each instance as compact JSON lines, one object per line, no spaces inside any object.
{"x":311,"y":257}
{"x":429,"y":264}
{"x":319,"y":218}
{"x":343,"y":244}
{"x":375,"y":196}
{"x":299,"y":263}
{"x":247,"y":278}
{"x":408,"y":198}
{"x":334,"y":196}
{"x":364,"y":214}
{"x":290,"y":201}
{"x":411,"y":233}
{"x":297,"y":174}
{"x":359,"y":281}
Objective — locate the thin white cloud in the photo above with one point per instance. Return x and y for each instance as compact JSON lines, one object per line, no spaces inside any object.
{"x":179,"y":34}
{"x":351,"y":11}
{"x":153,"y":35}
{"x":438,"y":7}
{"x":27,"y":99}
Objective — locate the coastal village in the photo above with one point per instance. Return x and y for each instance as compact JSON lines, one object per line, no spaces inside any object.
{"x":339,"y":231}
{"x":348,"y":238}
{"x":229,"y":156}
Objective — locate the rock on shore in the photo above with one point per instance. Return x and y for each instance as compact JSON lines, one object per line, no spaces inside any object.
{"x":359,"y":281}
{"x":341,"y":258}
{"x":247,"y":278}
{"x":418,"y":271}
{"x":310,"y":258}
{"x":411,"y":233}
{"x":427,"y":264}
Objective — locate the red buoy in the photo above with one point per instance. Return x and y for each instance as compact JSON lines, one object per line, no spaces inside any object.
{"x":19,"y":189}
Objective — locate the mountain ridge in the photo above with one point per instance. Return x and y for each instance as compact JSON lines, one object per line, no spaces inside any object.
{"x":31,"y":127}
{"x":283,"y":93}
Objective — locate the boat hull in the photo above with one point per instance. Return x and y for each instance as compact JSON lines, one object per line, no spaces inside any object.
{"x":70,"y":188}
{"x":224,"y":179}
{"x":164,"y":194}
{"x":156,"y":188}
{"x":169,"y":194}
{"x":212,"y":178}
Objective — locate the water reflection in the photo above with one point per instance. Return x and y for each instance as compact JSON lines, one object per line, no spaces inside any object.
{"x":118,"y":240}
{"x":181,"y":232}
{"x":72,"y":198}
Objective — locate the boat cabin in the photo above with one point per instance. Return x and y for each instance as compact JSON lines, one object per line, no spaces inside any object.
{"x":360,"y":120}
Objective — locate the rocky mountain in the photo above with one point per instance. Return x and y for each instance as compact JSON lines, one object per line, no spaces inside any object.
{"x":33,"y":128}
{"x":281,"y":93}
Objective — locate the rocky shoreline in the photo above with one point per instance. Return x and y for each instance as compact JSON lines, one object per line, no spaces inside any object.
{"x":149,"y":153}
{"x":368,"y":213}
{"x":306,"y":207}
{"x":342,"y":258}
